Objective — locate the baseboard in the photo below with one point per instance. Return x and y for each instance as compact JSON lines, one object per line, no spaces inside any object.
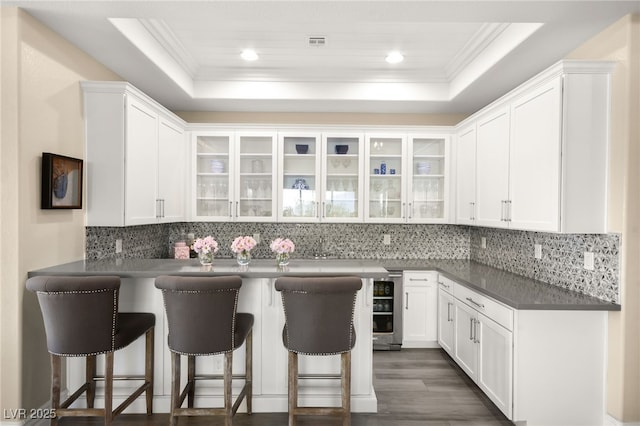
{"x":612,"y":421}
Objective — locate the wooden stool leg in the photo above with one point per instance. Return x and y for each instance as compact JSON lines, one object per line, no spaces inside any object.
{"x":249,"y":369}
{"x":108,"y":389}
{"x":191,"y":381}
{"x":228,"y":372}
{"x":346,"y":388}
{"x":148,"y":375}
{"x":175,"y":387}
{"x":293,"y":386}
{"x":55,"y":386}
{"x":90,"y":374}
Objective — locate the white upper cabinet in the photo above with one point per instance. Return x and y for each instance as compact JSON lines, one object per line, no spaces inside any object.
{"x":407,"y":178}
{"x":492,"y":168}
{"x":320,"y":176}
{"x":428,"y":185}
{"x":541,"y":155}
{"x":233,"y":176}
{"x":135,"y":157}
{"x":385,"y":178}
{"x":466,"y":175}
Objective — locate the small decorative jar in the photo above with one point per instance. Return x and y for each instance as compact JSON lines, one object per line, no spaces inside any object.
{"x":243,"y":257}
{"x":181,"y":250}
{"x":206,"y":259}
{"x":282,"y":259}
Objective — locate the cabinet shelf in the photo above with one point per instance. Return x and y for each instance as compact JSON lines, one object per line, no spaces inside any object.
{"x":212,"y":154}
{"x":213,"y":174}
{"x":382,"y":313}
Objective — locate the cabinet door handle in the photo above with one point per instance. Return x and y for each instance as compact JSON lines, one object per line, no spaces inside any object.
{"x":449,"y":319}
{"x":230,"y":208}
{"x":471,"y":329}
{"x":502,"y":204}
{"x":403,"y":211}
{"x":406,"y":300}
{"x":162,"y":207}
{"x":410,"y":213}
{"x":475,"y":331}
{"x":158,"y":212}
{"x":479,"y":305}
{"x":237,"y":208}
{"x":472,"y":211}
{"x":324,"y":209}
{"x":508,"y":211}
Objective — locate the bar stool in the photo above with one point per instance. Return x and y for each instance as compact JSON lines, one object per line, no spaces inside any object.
{"x":319,"y":321}
{"x":202,"y":320}
{"x":81,"y":319}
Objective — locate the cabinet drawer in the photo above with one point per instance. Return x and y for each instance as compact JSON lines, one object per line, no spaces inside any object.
{"x":445,"y":284}
{"x":420,"y":278}
{"x":501,"y":314}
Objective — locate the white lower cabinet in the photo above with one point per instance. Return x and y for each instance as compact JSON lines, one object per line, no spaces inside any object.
{"x":420,"y":309}
{"x":446,"y":317}
{"x":484,"y":347}
{"x":539,"y":367}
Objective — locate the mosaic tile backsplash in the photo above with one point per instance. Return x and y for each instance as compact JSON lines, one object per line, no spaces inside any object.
{"x":562,"y":258}
{"x":513,"y":251}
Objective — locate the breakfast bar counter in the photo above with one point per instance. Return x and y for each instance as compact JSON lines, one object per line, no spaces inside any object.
{"x":564,"y":319}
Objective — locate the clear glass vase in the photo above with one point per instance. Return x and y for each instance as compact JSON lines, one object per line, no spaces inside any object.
{"x":282,"y":259}
{"x":206,"y":259}
{"x":243,"y":258}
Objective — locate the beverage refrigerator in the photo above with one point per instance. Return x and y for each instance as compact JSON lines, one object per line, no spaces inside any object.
{"x":387,"y":312}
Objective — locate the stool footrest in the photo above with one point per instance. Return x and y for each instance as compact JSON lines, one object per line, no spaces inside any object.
{"x":319,"y":411}
{"x":131,"y":398}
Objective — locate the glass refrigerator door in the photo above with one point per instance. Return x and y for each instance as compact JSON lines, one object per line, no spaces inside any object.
{"x":213,"y":176}
{"x":300,"y":183}
{"x":342,"y":184}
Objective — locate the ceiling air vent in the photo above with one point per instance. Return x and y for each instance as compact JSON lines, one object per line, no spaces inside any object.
{"x":317,"y":41}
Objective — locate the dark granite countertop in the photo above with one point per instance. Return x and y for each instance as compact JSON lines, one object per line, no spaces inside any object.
{"x":513,"y":290}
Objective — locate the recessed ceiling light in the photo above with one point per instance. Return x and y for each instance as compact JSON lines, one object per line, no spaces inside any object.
{"x":249,"y":55}
{"x":394,"y":57}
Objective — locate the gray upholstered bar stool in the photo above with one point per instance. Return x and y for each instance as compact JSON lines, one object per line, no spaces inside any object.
{"x":319,"y":321}
{"x":202,"y":320}
{"x":81,"y":319}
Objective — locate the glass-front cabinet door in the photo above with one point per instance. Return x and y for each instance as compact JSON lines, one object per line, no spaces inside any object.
{"x":428,"y":186}
{"x":342,"y":199}
{"x":255,"y":193}
{"x":299,"y":177}
{"x":385,"y":175}
{"x":234,"y":176}
{"x":213,"y":175}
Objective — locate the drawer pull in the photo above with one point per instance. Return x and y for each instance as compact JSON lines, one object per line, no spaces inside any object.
{"x":444,"y":285}
{"x":479,"y":305}
{"x":418,"y":279}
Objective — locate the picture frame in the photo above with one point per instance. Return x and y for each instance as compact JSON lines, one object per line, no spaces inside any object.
{"x":61,"y":182}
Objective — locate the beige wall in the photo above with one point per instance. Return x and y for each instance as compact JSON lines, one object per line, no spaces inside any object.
{"x":41,"y":111}
{"x":621,"y":42}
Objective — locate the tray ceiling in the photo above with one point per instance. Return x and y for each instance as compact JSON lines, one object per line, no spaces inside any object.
{"x":458,"y":55}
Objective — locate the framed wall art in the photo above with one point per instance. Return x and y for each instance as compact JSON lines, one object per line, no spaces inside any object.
{"x":61,"y":182}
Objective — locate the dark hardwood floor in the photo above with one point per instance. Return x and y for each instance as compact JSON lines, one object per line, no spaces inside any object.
{"x":415,"y":387}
